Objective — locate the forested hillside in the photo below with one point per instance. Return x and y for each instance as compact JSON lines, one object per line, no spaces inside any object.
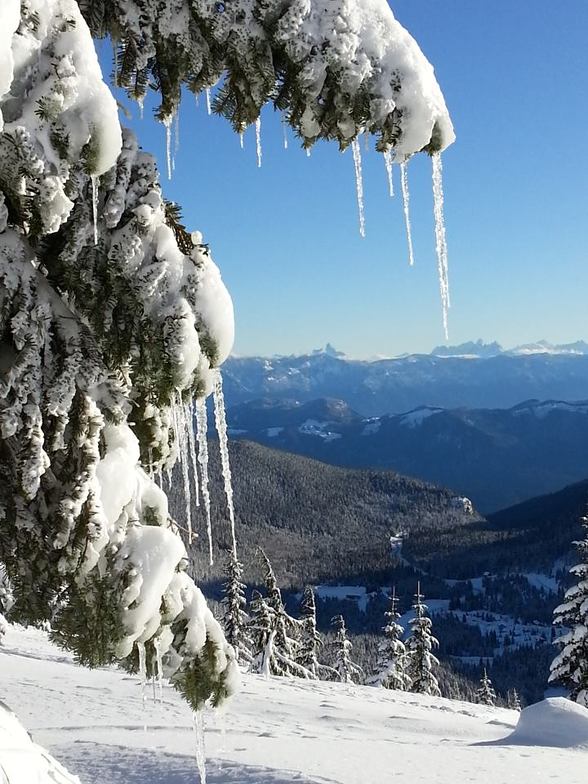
{"x":319,"y":522}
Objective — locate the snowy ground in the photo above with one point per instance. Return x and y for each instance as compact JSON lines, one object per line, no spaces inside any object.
{"x":278,"y":731}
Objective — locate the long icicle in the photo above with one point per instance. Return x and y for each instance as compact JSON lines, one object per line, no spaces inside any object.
{"x":220,"y":419}
{"x":440,"y":238}
{"x":94,"y":181}
{"x":406,"y":208}
{"x":200,"y":747}
{"x":143,"y":677}
{"x":208,"y":101}
{"x":389,"y":172}
{"x":358,"y":183}
{"x":258,"y":141}
{"x":159,"y":671}
{"x":285,"y":134}
{"x":182,"y":430}
{"x":202,"y":434}
{"x":189,"y":414}
{"x":168,"y":157}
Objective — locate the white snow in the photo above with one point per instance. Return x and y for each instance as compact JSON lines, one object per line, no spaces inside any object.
{"x":555,"y":722}
{"x":418,"y":416}
{"x":371,"y":427}
{"x":278,"y":731}
{"x":311,"y":427}
{"x":24,"y":762}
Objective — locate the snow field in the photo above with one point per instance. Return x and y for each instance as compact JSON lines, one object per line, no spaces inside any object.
{"x":280,"y":731}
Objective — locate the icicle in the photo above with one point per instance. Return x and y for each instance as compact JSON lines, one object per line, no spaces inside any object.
{"x":389,"y":174}
{"x":241,"y":139}
{"x":366,"y":141}
{"x":200,"y":747}
{"x":208,"y":102}
{"x":159,"y":671}
{"x":285,"y":135}
{"x":177,"y":134}
{"x":221,"y":429}
{"x":358,"y":184}
{"x":258,"y":140}
{"x":308,"y":152}
{"x":406,"y":207}
{"x":153,"y":688}
{"x":141,"y":102}
{"x":167,"y":122}
{"x":189,"y":414}
{"x":181,"y":430}
{"x":440,"y":238}
{"x":202,"y":433}
{"x":115,"y":59}
{"x":143,"y":677}
{"x":94,"y":180}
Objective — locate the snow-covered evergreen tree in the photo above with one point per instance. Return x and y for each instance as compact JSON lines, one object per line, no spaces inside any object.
{"x":113,"y":317}
{"x":513,"y":701}
{"x":346,"y":669}
{"x":262,"y":631}
{"x":570,"y":666}
{"x":485,"y":695}
{"x":390,"y":671}
{"x":419,"y":647}
{"x":276,"y":635}
{"x":235,"y":620}
{"x":310,"y":639}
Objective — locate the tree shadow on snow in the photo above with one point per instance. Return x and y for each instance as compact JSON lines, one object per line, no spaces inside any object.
{"x":97,"y":763}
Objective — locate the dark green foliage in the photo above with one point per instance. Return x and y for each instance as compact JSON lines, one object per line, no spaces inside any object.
{"x":90,"y":623}
{"x":198,"y":679}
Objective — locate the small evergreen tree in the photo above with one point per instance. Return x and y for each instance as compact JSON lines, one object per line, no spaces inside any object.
{"x":570,"y":666}
{"x":235,"y":619}
{"x":262,"y":633}
{"x":310,"y":639}
{"x":513,"y":700}
{"x":347,"y":671}
{"x":390,"y":670}
{"x":485,"y":695}
{"x":419,"y":647}
{"x":275,"y":634}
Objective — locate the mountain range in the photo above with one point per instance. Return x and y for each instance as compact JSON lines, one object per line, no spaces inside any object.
{"x":496,"y":457}
{"x":473,"y":375}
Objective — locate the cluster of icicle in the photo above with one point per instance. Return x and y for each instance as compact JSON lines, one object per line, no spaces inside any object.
{"x":440,"y":237}
{"x":190,"y":430}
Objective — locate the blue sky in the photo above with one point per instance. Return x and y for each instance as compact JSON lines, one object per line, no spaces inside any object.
{"x":516,"y":190}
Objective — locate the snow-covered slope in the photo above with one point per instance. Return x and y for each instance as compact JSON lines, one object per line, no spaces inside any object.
{"x":280,"y":731}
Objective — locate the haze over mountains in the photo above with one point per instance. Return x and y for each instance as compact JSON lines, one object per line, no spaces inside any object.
{"x":473,"y":375}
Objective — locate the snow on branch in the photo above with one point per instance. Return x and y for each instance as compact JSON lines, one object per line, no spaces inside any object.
{"x":334,"y":69}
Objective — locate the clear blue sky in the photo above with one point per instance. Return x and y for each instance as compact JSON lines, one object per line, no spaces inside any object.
{"x":516,"y":190}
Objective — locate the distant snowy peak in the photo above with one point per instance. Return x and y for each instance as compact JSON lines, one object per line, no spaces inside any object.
{"x":479,"y":350}
{"x":472,"y":348}
{"x":544,"y":347}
